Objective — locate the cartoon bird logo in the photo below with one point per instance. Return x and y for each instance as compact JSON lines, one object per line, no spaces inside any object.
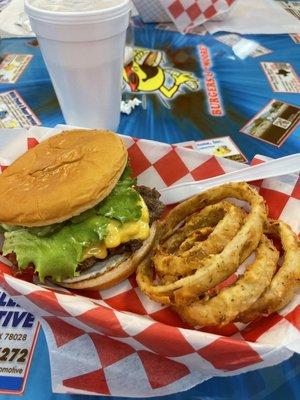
{"x":146,"y":73}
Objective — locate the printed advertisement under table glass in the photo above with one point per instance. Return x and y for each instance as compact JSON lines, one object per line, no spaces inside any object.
{"x":274,"y":123}
{"x":282,"y":77}
{"x":220,"y":147}
{"x":292,"y":7}
{"x":14,"y":112}
{"x":253,"y":48}
{"x":18,"y":335}
{"x":295,"y":37}
{"x":12,"y":67}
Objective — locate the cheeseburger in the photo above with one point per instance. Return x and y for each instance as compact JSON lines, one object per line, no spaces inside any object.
{"x":70,"y":210}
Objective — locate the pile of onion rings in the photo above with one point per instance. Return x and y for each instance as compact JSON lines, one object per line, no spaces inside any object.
{"x":203,"y":242}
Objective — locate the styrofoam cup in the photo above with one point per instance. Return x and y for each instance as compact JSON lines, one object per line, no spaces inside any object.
{"x":83,"y":52}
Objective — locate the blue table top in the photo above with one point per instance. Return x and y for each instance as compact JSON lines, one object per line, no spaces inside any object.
{"x":244,"y":92}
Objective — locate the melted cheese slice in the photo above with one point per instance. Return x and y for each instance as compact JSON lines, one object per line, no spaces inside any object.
{"x":121,"y":233}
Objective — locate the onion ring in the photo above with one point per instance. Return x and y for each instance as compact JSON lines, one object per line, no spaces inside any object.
{"x":285,"y":281}
{"x":199,"y":235}
{"x":190,"y":256}
{"x":209,"y":216}
{"x":229,"y":302}
{"x":218,"y":267}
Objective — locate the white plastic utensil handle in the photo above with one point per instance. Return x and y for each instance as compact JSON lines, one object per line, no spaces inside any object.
{"x":280,"y":166}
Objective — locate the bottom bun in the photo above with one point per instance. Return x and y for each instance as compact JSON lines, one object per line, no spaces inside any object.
{"x":123,"y":268}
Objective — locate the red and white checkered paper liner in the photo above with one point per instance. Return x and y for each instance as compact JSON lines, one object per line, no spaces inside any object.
{"x":118,"y":342}
{"x":188,"y":14}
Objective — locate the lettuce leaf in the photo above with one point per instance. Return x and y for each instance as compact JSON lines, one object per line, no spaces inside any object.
{"x":56,"y":256}
{"x":122,"y":205}
{"x":47,"y":230}
{"x":123,"y":202}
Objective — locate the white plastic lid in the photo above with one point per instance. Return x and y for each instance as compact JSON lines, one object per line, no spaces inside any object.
{"x":103,"y":10}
